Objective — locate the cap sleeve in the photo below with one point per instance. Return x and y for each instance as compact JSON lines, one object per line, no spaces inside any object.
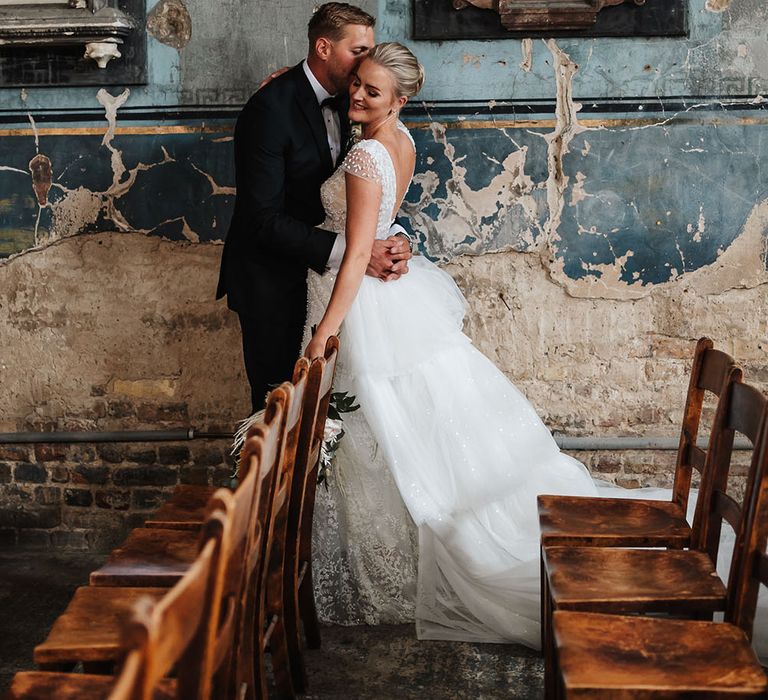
{"x":362,"y":162}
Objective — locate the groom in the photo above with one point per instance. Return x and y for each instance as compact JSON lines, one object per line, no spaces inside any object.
{"x":288,"y":140}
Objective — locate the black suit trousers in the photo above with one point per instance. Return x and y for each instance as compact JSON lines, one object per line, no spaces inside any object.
{"x":270,"y":351}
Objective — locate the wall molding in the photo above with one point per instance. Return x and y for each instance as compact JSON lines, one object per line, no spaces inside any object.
{"x":479,"y":110}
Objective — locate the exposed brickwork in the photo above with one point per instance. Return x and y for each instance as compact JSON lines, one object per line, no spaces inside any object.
{"x":89,"y":496}
{"x":590,"y":366}
{"x":69,"y":504}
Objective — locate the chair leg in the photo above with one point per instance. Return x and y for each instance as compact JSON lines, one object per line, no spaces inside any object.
{"x":259,"y":689}
{"x":293,"y":637}
{"x":246,"y":679}
{"x":281,"y":664}
{"x":542,"y":598}
{"x":307,"y":609}
{"x":548,"y":645}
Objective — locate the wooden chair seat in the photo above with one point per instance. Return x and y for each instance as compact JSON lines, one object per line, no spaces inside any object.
{"x":184,"y":510}
{"x":172,"y":631}
{"x":612,"y":522}
{"x":619,"y":656}
{"x":89,"y":630}
{"x":149,"y":557}
{"x":43,"y":685}
{"x":633,"y":580}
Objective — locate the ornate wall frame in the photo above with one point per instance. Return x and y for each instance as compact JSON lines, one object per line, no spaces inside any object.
{"x":507,"y":19}
{"x":77,"y":42}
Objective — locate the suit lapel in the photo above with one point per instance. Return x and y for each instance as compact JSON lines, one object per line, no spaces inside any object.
{"x":313,"y":114}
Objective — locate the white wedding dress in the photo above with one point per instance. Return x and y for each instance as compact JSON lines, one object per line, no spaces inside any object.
{"x":430,"y":512}
{"x":442,"y":433}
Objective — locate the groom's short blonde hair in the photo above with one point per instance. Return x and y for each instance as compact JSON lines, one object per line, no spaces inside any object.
{"x":329,"y":21}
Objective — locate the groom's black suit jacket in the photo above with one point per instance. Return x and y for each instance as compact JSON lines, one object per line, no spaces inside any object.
{"x":281,"y":159}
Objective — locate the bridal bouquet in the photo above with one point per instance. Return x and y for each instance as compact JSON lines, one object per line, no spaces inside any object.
{"x":341,"y":402}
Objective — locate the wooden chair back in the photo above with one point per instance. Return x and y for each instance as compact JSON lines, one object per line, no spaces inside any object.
{"x":276,"y":537}
{"x":741,"y":409}
{"x":239,"y":541}
{"x":317,"y":401}
{"x":709,"y":373}
{"x":250,"y":682}
{"x":173,"y":632}
{"x":300,"y":608}
{"x":754,"y":563}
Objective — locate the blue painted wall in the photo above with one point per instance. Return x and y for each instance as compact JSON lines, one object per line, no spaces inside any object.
{"x":656,"y":179}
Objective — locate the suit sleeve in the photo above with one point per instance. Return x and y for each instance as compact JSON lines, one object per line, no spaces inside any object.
{"x":261,"y":140}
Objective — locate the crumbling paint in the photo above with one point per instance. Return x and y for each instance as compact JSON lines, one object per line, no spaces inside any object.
{"x":110,"y":194}
{"x":454,"y":216}
{"x":559,"y":141}
{"x":744,"y":265}
{"x":717,"y":5}
{"x":40,"y":168}
{"x":526,"y":46}
{"x":473,"y":60}
{"x":169,"y":22}
{"x":215,"y":188}
{"x":111,"y":104}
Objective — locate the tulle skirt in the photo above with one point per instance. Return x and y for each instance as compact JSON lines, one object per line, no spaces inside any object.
{"x":466,"y":451}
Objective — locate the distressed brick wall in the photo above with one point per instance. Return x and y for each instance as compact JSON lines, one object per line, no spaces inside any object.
{"x":121,"y":332}
{"x":87,"y":496}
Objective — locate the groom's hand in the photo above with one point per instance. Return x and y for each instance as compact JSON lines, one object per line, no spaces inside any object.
{"x":389,"y":258}
{"x":272,"y":76}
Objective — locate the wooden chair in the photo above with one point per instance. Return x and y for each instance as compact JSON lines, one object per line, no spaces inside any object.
{"x":159,"y":556}
{"x":87,"y":631}
{"x":183,"y":511}
{"x":171,"y":632}
{"x":678,"y":582}
{"x":619,"y":656}
{"x":299,"y":592}
{"x":153,"y":556}
{"x":286,"y":676}
{"x":262,"y":626}
{"x":263,"y":470}
{"x":620,"y":522}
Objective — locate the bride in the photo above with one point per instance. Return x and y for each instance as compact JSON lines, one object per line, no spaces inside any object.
{"x":441,"y":430}
{"x":431,"y":512}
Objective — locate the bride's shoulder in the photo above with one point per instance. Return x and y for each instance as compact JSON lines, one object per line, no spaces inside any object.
{"x":364,"y":159}
{"x":365,"y":145}
{"x":403,"y":129}
{"x":367,"y":149}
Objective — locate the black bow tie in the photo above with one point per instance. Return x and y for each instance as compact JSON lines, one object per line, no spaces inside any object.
{"x":335,"y":102}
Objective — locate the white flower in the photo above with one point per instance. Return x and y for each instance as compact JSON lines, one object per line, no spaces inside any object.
{"x":333,"y":430}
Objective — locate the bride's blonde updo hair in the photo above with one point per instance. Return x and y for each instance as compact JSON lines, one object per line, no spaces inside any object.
{"x":405,"y":68}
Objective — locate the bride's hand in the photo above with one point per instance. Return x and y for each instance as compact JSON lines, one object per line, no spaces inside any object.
{"x":316,"y":347}
{"x":389,"y":258}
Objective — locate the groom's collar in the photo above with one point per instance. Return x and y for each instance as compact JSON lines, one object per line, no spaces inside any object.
{"x":320,"y":92}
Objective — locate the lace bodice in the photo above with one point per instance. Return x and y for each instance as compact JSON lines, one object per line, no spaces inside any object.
{"x":370,"y":160}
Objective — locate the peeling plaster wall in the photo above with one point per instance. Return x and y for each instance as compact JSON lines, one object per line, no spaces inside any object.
{"x":596,"y":233}
{"x":97,"y":326}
